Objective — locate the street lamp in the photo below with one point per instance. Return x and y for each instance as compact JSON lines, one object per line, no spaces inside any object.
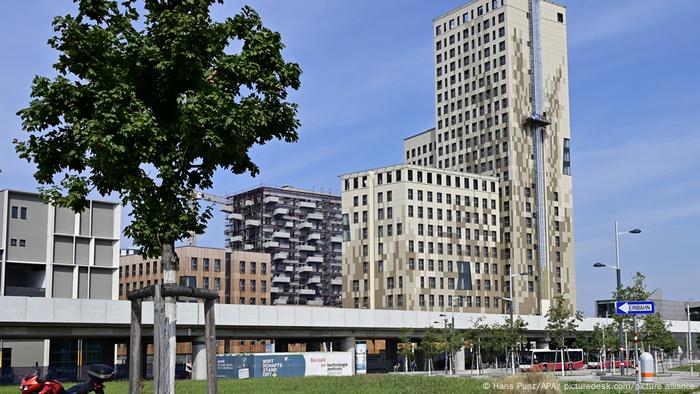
{"x":620,"y":331}
{"x":690,"y":343}
{"x":444,"y":319}
{"x":511,"y":300}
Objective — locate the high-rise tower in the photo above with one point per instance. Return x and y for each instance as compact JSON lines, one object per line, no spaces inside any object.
{"x":502,"y":109}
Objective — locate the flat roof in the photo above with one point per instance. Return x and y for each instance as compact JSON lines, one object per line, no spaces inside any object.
{"x":37,"y":194}
{"x":475,"y":1}
{"x":421,"y":133}
{"x":423,"y":168}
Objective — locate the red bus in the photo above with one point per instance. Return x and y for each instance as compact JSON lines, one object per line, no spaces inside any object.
{"x":536,"y":360}
{"x":595,"y":361}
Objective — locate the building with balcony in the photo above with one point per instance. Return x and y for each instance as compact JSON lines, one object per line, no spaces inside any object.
{"x":301,"y":231}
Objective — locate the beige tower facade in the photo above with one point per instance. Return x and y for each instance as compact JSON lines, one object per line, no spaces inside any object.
{"x":420,"y":238}
{"x":483,"y":98}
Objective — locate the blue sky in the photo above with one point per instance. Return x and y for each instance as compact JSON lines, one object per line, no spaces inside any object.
{"x":367,"y":84}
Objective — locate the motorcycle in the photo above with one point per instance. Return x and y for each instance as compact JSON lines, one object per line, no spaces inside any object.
{"x":33,"y":383}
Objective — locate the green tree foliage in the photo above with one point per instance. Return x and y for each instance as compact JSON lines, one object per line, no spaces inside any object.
{"x":602,"y":337}
{"x":637,"y":291}
{"x":150,"y":98}
{"x":655,"y":332}
{"x":561,"y":322}
{"x":406,"y":349}
{"x":430,"y":346}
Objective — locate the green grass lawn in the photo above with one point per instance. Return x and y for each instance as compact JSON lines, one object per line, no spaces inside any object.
{"x":696,"y":368}
{"x":339,"y":385}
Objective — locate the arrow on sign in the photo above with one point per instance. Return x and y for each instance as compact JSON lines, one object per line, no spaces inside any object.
{"x":624,"y":307}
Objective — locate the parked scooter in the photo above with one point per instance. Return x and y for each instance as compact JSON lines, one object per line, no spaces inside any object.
{"x":33,"y":383}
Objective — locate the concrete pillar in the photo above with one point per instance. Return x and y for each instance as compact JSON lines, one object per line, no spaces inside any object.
{"x":199,"y":358}
{"x":460,"y":358}
{"x":347,"y":344}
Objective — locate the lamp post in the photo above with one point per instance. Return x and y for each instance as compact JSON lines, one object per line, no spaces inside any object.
{"x":690,"y":342}
{"x":444,"y":319}
{"x":452,"y":364}
{"x":511,"y":301}
{"x":620,"y":331}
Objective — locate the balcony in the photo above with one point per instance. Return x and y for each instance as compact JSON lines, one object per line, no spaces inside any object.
{"x":280,"y":279}
{"x":307,"y":204}
{"x":252,"y":222}
{"x":315,"y":302}
{"x":314,"y":259}
{"x":248,"y":203}
{"x":314,"y":216}
{"x":274,"y":289}
{"x":305,"y":268}
{"x":313,"y":237}
{"x":289,"y":224}
{"x":304,"y":225}
{"x":248,"y":247}
{"x":271,"y":244}
{"x":289,"y":268}
{"x":337,"y":281}
{"x":314,"y":280}
{"x":235,"y":216}
{"x":237,"y":238}
{"x":307,"y":292}
{"x":280,"y":256}
{"x":280,"y":234}
{"x":306,"y":248}
{"x":271,"y":200}
{"x":281,"y":301}
{"x":280,"y":211}
{"x":337,"y":239}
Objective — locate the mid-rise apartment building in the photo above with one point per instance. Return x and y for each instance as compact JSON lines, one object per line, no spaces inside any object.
{"x":421,"y":239}
{"x":239,"y":277}
{"x":50,"y":251}
{"x":486,"y":76}
{"x":301,"y":230}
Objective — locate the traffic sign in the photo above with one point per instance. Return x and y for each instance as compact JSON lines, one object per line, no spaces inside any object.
{"x":634,"y":307}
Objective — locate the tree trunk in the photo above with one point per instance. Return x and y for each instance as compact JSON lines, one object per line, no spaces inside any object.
{"x":168,"y":341}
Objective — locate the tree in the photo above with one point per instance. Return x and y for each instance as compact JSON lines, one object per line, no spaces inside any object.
{"x":454,"y":341}
{"x":148,"y":102}
{"x":429,"y":346}
{"x":561,"y":322}
{"x":603,"y":337}
{"x":637,"y":291}
{"x":655,"y":333}
{"x":406,"y":349}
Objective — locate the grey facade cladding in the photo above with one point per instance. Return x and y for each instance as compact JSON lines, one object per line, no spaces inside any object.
{"x":47,"y":251}
{"x":302,"y":232}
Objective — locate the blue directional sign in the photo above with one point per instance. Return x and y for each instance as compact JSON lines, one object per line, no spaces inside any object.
{"x":634,"y":307}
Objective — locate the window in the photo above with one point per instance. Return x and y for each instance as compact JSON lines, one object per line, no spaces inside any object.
{"x":22,"y":243}
{"x":241,"y":267}
{"x":263,"y":268}
{"x":217,"y":283}
{"x":205,"y":264}
{"x":217,"y":265}
{"x":206,"y":283}
{"x":15,"y":210}
{"x":193,"y":264}
{"x":253,"y":285}
{"x":23,"y":213}
{"x":567,"y":156}
{"x":241,"y":285}
{"x":560,"y":17}
{"x":253,"y":268}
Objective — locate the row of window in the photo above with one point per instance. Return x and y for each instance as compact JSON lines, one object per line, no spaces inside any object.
{"x":22,"y":243}
{"x":464,"y":34}
{"x":470,"y":15}
{"x":459,"y":250}
{"x":463,"y":217}
{"x":18,"y":212}
{"x":437,"y":179}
